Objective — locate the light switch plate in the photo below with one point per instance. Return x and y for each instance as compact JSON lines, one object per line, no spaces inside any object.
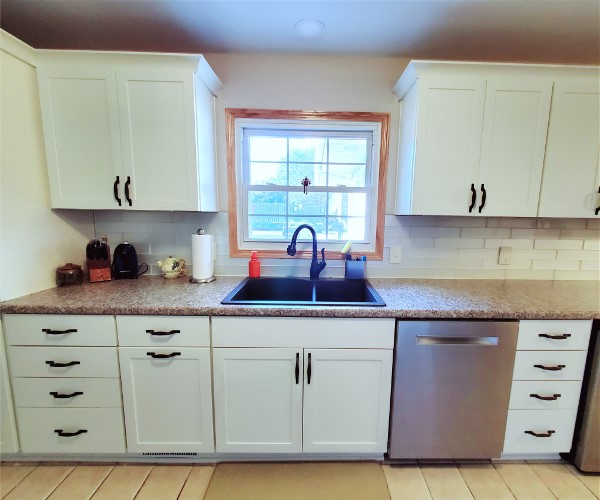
{"x":395,"y":255}
{"x":505,"y":256}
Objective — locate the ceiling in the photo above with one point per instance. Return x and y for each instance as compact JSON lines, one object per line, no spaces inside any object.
{"x":561,"y":31}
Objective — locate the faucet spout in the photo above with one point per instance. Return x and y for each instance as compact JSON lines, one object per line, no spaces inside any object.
{"x":316,"y":266}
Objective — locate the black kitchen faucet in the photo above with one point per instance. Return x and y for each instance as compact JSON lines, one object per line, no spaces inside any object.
{"x":315,"y":266}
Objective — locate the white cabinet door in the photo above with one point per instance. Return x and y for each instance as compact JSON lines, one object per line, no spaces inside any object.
{"x":346,"y":400}
{"x":258,"y":400}
{"x":81,"y":133}
{"x":513,"y":142}
{"x":571,"y":175}
{"x":448,"y":143}
{"x":167,"y":401}
{"x":157,"y":113}
{"x":8,"y":428}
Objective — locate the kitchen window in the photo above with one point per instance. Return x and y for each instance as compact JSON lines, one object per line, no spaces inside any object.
{"x":287,"y":168}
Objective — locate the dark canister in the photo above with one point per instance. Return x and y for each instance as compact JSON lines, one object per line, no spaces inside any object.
{"x":69,"y":274}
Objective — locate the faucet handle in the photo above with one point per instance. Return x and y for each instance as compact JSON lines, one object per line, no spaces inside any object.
{"x":323,"y":255}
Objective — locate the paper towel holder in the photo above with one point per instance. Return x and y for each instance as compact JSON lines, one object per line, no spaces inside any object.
{"x":202,"y":280}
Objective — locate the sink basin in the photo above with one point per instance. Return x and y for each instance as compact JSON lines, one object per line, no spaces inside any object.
{"x":304,"y":291}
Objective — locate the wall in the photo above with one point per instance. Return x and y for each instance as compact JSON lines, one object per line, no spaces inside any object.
{"x":34,"y":240}
{"x":432,"y":247}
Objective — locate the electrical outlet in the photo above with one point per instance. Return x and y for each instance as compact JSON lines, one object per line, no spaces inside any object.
{"x":395,"y":255}
{"x":505,"y":255}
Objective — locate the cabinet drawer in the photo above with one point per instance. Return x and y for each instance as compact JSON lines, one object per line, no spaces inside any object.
{"x":335,"y":333}
{"x":569,"y":365}
{"x":87,"y":361}
{"x":83,"y":392}
{"x":554,"y":335}
{"x":562,"y":422}
{"x":565,"y":395}
{"x":44,"y":329}
{"x":103,"y":426}
{"x":163,"y":331}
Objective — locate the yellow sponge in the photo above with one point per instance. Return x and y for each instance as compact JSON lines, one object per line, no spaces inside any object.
{"x":346,"y":247}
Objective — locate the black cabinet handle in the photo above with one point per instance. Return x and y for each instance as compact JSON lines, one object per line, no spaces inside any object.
{"x":127,"y":183}
{"x":540,"y":435}
{"x":54,"y":364}
{"x":163,"y":356}
{"x":554,"y":397}
{"x":116,"y":190}
{"x":56,"y":395}
{"x":297,"y":370}
{"x":309,"y":369}
{"x":473,"y":198}
{"x":556,"y":368}
{"x":597,"y":211}
{"x":483,"y":197}
{"x":162,"y":334}
{"x":48,"y":331}
{"x":62,"y":433}
{"x":555,"y":337}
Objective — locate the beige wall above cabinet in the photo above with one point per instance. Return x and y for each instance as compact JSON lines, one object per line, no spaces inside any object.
{"x":129,"y":131}
{"x":473,"y":137}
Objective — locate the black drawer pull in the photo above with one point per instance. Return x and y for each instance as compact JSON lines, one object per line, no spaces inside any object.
{"x":556,"y":368}
{"x":48,"y":331}
{"x":554,"y":397}
{"x":162,"y":334}
{"x":116,"y":190}
{"x":297,"y":370}
{"x":597,"y":211}
{"x":473,"y":198}
{"x":562,"y":336}
{"x":62,"y":433}
{"x":483,"y":198}
{"x":127,"y":182}
{"x":163,"y":356}
{"x":309,"y":369}
{"x":541,"y":435}
{"x":56,"y":395}
{"x":54,"y":364}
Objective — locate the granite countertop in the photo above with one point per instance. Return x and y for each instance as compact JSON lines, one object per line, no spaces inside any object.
{"x":405,"y":298}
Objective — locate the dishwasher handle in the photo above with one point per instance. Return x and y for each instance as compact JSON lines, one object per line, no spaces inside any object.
{"x":450,"y":340}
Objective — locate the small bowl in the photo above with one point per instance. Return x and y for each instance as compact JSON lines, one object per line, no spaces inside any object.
{"x":172,"y":274}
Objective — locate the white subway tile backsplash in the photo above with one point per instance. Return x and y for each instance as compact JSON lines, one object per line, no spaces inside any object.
{"x":562,"y":265}
{"x":458,"y":243}
{"x":434,"y":232}
{"x":432,"y":247}
{"x":558,"y":244}
{"x":529,"y":274}
{"x":577,"y":275}
{"x":487,"y":232}
{"x":577,"y":255}
{"x":523,"y":244}
{"x":537,"y":234}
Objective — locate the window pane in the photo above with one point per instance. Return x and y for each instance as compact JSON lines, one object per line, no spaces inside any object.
{"x":355,"y":228}
{"x":317,"y":223}
{"x":347,"y":150}
{"x":265,"y":227}
{"x":347,"y":175}
{"x":311,"y":149}
{"x":267,"y":202}
{"x":267,"y":148}
{"x":301,"y":204}
{"x":338,"y":229}
{"x":316,"y":172}
{"x":357,"y":204}
{"x":268,"y":173}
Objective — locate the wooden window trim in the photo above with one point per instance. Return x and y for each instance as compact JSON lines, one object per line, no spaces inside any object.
{"x":230,"y":116}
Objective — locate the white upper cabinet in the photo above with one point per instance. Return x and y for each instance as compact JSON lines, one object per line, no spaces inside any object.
{"x":129,"y":131}
{"x":473,"y":138}
{"x":571,"y":180}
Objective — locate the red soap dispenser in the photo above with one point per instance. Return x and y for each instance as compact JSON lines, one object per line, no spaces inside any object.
{"x":253,"y":265}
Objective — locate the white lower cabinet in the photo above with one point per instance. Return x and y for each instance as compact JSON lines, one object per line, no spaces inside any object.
{"x":547,"y":377}
{"x":274,"y":398}
{"x":167,"y":389}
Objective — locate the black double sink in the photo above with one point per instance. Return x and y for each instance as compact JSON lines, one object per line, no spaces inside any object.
{"x":304,"y":291}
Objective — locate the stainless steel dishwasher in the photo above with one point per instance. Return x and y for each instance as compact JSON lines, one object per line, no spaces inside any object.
{"x":452,"y":384}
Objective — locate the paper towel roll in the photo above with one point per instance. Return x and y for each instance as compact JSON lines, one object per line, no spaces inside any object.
{"x":202,"y":256}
